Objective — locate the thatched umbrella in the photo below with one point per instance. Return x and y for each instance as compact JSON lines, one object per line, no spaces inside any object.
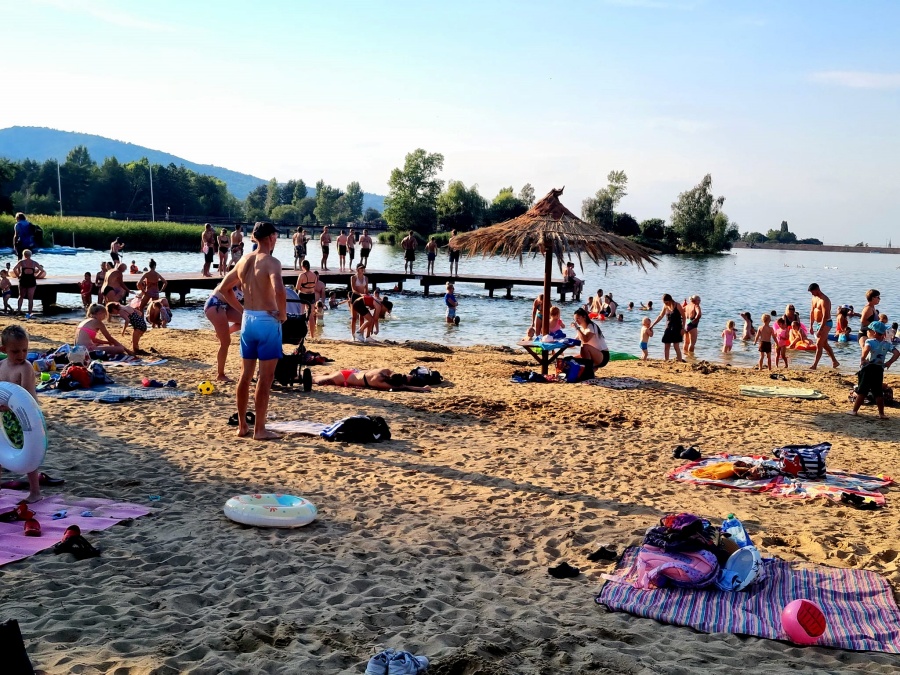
{"x":548,"y":226}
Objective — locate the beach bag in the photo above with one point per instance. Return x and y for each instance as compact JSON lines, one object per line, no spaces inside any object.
{"x":804,"y":461}
{"x":426,"y":375}
{"x":682,"y":532}
{"x":74,"y":377}
{"x":358,"y":429}
{"x":657,"y":567}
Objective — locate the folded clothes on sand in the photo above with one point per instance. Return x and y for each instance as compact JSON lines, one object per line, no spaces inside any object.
{"x":859,"y":606}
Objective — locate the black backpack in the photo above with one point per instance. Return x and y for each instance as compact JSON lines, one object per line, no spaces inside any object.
{"x":360,"y":429}
{"x":426,"y":376}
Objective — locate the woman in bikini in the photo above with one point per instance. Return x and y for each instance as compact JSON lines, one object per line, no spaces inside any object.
{"x":693,"y":314}
{"x":150,"y":285}
{"x":306,"y":287}
{"x":99,"y":279}
{"x":224,"y":243}
{"x":674,"y":332}
{"x":133,"y":318}
{"x":86,"y":332}
{"x":383,"y":379}
{"x":28,"y":272}
{"x":226,"y":320}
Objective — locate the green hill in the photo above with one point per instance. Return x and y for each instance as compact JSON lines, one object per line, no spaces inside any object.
{"x":41,"y":143}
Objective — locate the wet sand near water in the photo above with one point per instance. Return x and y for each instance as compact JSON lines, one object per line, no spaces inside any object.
{"x":437,"y":541}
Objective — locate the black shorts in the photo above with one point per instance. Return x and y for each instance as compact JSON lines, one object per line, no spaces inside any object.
{"x":410,"y":255}
{"x":871,"y":379}
{"x":324,"y":250}
{"x":114,"y":256}
{"x":364,"y":253}
{"x":351,"y":251}
{"x":210,"y":252}
{"x":359,"y":306}
{"x":342,"y":250}
{"x":765,"y":347}
{"x":454,"y":256}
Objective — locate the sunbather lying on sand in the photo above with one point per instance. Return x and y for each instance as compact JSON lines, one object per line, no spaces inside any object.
{"x":382,"y":378}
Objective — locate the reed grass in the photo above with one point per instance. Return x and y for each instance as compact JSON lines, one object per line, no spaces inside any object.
{"x":98,"y":233}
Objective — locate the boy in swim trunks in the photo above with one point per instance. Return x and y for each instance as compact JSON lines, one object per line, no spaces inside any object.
{"x":450,"y":301}
{"x":646,"y":334}
{"x":431,"y":254}
{"x":764,"y":337}
{"x":820,"y":313}
{"x":6,"y":289}
{"x":16,"y":369}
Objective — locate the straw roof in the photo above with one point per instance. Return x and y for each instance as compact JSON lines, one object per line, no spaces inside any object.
{"x":548,"y":225}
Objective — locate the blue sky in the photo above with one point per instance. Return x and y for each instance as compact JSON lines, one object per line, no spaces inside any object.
{"x":791,"y":106}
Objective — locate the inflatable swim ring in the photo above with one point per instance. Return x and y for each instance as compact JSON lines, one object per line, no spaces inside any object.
{"x":25,"y":453}
{"x":805,"y":347}
{"x":622,"y":356}
{"x":852,"y":338}
{"x":271,"y":510}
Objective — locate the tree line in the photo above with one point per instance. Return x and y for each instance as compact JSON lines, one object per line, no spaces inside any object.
{"x":418,"y":201}
{"x":780,"y":236}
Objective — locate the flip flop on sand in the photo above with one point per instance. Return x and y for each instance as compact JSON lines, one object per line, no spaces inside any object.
{"x":603,"y":553}
{"x":21,"y":512}
{"x":564,"y":571}
{"x":72,"y":542}
{"x":250,"y":417}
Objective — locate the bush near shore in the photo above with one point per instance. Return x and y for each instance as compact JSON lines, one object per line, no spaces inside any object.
{"x":98,"y":233}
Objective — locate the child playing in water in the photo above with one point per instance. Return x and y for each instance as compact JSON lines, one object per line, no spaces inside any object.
{"x":782,"y":340}
{"x":16,"y":369}
{"x":86,"y":287}
{"x":728,"y":336}
{"x":134,"y":269}
{"x":764,"y":338}
{"x":6,"y":289}
{"x":332,"y":301}
{"x":749,"y":330}
{"x":646,"y":334}
{"x":450,"y":301}
{"x":798,"y":336}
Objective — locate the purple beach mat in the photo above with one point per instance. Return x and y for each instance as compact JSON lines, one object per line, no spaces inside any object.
{"x":858,"y":604}
{"x":14,"y":545}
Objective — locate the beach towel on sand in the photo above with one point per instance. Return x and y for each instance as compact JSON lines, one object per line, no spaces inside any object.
{"x":126,"y":360}
{"x":301,"y":427}
{"x":835,"y":483}
{"x":14,"y":545}
{"x":116,"y":394}
{"x":780,"y":392}
{"x":618,"y":382}
{"x":859,"y":606}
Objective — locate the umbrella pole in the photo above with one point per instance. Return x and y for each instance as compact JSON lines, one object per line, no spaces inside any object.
{"x":545,"y":310}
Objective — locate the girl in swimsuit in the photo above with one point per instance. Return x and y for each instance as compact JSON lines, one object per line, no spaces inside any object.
{"x":28,"y":272}
{"x":133,"y":318}
{"x":383,"y":379}
{"x":86,"y":332}
{"x":673,"y":334}
{"x":226,"y":320}
{"x":224,"y":241}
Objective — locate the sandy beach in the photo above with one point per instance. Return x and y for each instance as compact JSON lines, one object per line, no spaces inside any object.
{"x":438,"y":541}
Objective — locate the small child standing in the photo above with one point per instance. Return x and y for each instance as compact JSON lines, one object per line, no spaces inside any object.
{"x":450,"y":301}
{"x":764,"y":338}
{"x":86,"y":287}
{"x":646,"y":334}
{"x":782,"y":340}
{"x":871,"y":373}
{"x":5,"y":290}
{"x":728,"y":336}
{"x":16,"y":369}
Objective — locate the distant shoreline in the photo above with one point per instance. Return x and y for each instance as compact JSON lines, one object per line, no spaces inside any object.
{"x":825,"y":248}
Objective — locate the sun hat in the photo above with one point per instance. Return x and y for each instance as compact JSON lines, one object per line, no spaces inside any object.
{"x":878,"y":327}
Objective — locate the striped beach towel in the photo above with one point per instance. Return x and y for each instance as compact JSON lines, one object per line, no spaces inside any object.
{"x":117,"y":394}
{"x":858,"y":604}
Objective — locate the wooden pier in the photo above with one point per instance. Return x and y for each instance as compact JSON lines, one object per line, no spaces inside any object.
{"x":181,"y":283}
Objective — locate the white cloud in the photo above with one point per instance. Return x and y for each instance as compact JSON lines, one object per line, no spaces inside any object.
{"x":856,"y":79}
{"x":108,"y":14}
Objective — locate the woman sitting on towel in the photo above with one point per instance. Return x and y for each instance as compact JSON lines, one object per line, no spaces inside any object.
{"x":383,"y":378}
{"x":86,"y":332}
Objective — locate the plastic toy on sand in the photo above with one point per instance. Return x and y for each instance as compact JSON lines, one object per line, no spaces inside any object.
{"x":803,"y":622}
{"x":206,"y":387}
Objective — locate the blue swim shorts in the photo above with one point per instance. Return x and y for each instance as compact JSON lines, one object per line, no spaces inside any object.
{"x":451,"y":312}
{"x":644,"y":346}
{"x":260,"y":336}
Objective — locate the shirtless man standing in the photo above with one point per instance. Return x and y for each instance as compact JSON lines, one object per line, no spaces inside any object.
{"x":324,"y":241}
{"x":299,"y":241}
{"x":150,"y":285}
{"x":409,"y":246}
{"x":237,"y":244}
{"x":351,"y":248}
{"x":454,"y":254}
{"x":259,"y":274}
{"x":365,"y":247}
{"x":114,"y":289}
{"x":342,"y":250}
{"x":208,"y":248}
{"x":359,"y":285}
{"x":820,"y":313}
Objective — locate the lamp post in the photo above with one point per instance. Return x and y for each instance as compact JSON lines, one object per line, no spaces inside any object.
{"x":152,"y":210}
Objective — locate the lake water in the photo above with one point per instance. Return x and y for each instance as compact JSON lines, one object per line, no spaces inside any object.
{"x":751,"y":280}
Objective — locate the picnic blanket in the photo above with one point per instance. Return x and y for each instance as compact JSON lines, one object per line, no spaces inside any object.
{"x":858,"y":604}
{"x":759,"y":391}
{"x":116,"y":394}
{"x":14,"y":545}
{"x":835,"y":483}
{"x":126,"y":360}
{"x":618,"y":382}
{"x":302,"y":427}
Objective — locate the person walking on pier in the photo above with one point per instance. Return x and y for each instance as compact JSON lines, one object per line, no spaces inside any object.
{"x":259,"y":274}
{"x":409,"y":244}
{"x":208,"y":248}
{"x":365,"y":247}
{"x":325,"y":241}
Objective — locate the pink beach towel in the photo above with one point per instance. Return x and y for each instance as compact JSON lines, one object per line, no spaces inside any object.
{"x":14,"y":545}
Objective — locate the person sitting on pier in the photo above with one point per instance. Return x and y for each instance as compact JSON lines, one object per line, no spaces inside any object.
{"x":134,"y":269}
{"x":572,"y":281}
{"x":383,"y":379}
{"x":95,"y":322}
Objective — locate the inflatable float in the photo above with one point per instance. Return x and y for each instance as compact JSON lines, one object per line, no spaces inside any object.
{"x":853,"y":337}
{"x":622,"y":356}
{"x":25,"y":451}
{"x":270,"y":510}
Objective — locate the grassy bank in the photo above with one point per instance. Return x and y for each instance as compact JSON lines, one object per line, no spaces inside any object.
{"x":97,"y":233}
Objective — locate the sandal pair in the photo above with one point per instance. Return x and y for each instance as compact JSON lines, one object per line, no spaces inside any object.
{"x":690,"y":453}
{"x":21,"y":512}
{"x":72,"y":542}
{"x":250,"y":417}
